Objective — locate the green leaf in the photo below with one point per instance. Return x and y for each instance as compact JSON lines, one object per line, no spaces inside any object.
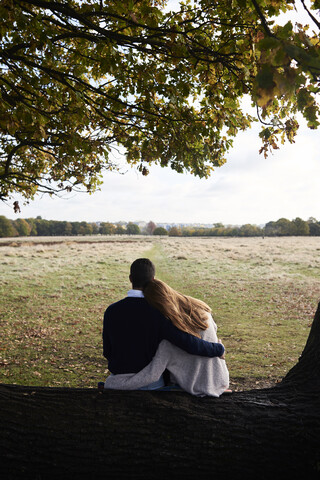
{"x":268,"y":43}
{"x":264,"y":78}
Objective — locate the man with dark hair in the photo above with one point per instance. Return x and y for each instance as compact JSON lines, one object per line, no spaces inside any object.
{"x":142,"y":271}
{"x":133,"y":329}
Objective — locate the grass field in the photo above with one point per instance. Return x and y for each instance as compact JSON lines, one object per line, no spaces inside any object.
{"x":263,"y":293}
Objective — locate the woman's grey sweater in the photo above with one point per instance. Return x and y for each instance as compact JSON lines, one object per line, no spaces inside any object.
{"x":197,"y":375}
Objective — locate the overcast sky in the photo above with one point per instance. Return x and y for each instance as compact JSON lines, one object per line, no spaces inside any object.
{"x":247,"y":189}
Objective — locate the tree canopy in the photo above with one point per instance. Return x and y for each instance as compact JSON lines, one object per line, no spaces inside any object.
{"x":79,"y":78}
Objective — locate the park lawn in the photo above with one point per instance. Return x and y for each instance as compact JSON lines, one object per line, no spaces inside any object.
{"x":54,"y":297}
{"x":263,"y":293}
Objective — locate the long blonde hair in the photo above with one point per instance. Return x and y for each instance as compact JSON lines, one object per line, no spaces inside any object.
{"x":186,"y":313}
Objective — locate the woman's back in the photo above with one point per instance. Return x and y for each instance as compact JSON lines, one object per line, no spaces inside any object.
{"x":197,"y":375}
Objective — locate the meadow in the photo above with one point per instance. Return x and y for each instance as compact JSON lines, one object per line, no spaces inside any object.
{"x":263,"y":293}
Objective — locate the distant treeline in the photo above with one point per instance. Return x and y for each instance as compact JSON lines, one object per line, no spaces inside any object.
{"x":40,"y":227}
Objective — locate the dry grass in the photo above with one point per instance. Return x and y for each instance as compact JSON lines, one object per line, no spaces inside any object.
{"x":263,"y":293}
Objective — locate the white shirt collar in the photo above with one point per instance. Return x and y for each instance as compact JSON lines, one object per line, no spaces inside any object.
{"x":135,"y":293}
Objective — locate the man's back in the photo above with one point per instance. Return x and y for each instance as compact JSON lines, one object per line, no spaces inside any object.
{"x":131,"y":334}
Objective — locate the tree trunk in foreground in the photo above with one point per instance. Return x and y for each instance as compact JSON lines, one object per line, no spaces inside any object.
{"x":82,"y":433}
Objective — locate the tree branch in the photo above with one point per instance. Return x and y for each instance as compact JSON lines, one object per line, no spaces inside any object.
{"x":313,"y":18}
{"x":262,"y":18}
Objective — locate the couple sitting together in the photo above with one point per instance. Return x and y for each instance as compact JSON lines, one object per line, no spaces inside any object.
{"x":159,"y":339}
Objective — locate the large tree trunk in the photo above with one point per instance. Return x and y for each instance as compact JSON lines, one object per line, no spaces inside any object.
{"x":305,"y":375}
{"x":82,"y":433}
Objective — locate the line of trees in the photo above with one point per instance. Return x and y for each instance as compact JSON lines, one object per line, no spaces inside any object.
{"x":40,"y":227}
{"x":281,"y":227}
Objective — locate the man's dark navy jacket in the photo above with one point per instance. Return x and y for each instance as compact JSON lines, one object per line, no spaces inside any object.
{"x":132,"y":331}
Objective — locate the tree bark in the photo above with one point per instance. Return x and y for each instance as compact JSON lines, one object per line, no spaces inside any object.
{"x":306,"y":373}
{"x":83,"y":433}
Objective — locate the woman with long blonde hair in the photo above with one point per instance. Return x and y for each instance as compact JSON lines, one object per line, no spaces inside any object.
{"x":186,"y":313}
{"x":197,"y":375}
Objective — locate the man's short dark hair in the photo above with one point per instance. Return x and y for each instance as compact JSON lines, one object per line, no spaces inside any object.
{"x":142,"y":271}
